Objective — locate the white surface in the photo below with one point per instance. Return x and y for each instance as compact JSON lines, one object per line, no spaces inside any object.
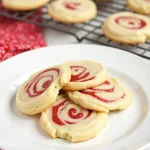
{"x":57,"y":38}
{"x":126,"y":130}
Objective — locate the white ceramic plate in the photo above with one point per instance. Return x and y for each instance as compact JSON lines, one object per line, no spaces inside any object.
{"x":125,"y":130}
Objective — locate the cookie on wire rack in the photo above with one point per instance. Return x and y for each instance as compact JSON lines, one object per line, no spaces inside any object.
{"x":140,"y":6}
{"x":23,"y":5}
{"x":127,"y":28}
{"x":72,"y":11}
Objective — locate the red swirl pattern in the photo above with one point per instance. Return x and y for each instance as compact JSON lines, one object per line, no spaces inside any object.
{"x":41,"y":82}
{"x":130,"y":22}
{"x":72,"y":5}
{"x":80,"y":74}
{"x":147,"y":1}
{"x":72,"y":113}
{"x":96,"y":91}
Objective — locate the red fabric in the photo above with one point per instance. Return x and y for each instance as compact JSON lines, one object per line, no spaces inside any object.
{"x":17,"y":37}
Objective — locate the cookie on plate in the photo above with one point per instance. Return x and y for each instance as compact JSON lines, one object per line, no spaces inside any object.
{"x":23,"y":5}
{"x":41,"y":89}
{"x":127,"y":28}
{"x":110,"y":95}
{"x":85,"y":74}
{"x":67,"y":120}
{"x":140,"y":6}
{"x":72,"y":11}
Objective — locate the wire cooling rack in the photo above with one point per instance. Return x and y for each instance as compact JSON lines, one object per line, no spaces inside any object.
{"x":90,"y":30}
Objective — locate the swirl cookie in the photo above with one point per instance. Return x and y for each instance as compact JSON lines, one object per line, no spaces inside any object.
{"x":72,"y":11}
{"x":85,"y":74}
{"x":127,"y":28}
{"x":67,"y":120}
{"x":140,"y":6}
{"x":40,"y":91}
{"x":23,"y":5}
{"x":110,"y":95}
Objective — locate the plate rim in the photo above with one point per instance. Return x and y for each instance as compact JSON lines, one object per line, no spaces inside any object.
{"x":74,"y":44}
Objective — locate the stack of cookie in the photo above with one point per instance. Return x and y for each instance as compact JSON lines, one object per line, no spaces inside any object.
{"x":82,"y":110}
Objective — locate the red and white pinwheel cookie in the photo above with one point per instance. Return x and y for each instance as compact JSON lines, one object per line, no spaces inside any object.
{"x":85,"y":74}
{"x":110,"y":95}
{"x":67,"y":120}
{"x":23,"y":5}
{"x":40,"y":91}
{"x":72,"y":11}
{"x":140,"y":6}
{"x":127,"y":27}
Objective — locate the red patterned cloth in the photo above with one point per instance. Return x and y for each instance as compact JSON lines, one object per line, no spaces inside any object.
{"x":17,"y":37}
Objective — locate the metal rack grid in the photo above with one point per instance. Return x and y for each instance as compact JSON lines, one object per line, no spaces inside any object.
{"x":90,"y":30}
